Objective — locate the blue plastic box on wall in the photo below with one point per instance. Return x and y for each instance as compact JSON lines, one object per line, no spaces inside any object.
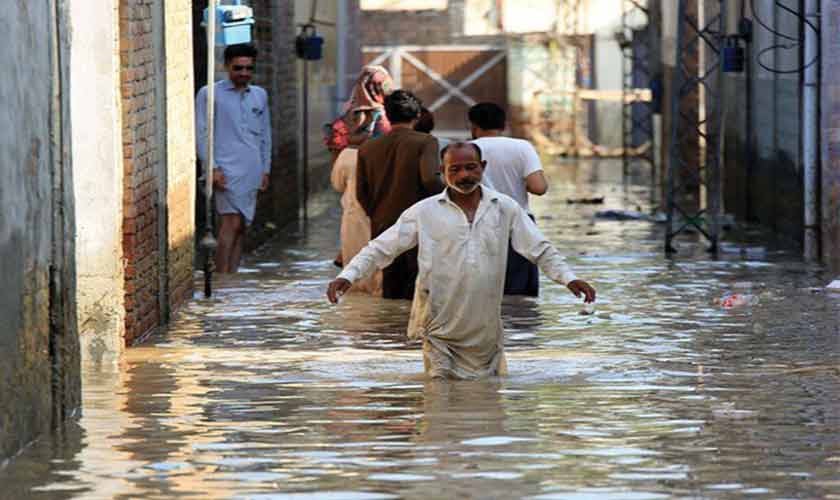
{"x":233,"y":23}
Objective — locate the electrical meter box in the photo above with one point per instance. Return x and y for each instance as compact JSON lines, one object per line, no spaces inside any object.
{"x":308,"y":44}
{"x":233,"y":23}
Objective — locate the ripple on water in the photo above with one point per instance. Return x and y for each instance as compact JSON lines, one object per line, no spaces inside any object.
{"x":265,"y":391}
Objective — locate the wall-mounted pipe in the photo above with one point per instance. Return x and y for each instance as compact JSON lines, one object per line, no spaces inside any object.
{"x":809,"y":129}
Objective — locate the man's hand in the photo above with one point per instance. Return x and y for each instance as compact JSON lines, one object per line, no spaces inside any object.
{"x":219,"y":181}
{"x":264,"y":183}
{"x":579,"y":287}
{"x":337,"y":288}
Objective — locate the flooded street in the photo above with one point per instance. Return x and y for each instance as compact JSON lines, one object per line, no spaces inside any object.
{"x":267,"y":391}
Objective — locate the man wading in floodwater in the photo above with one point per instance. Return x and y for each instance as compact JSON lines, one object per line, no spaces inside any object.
{"x":242,"y":149}
{"x":462,"y":236}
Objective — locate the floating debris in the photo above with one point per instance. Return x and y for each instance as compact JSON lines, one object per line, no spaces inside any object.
{"x":622,"y":215}
{"x":585,"y":201}
{"x":734,"y":300}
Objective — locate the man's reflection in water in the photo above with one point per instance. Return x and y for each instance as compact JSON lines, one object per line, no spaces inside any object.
{"x":465,"y":426}
{"x":457,"y":410}
{"x":369,"y":321}
{"x":522,"y":319}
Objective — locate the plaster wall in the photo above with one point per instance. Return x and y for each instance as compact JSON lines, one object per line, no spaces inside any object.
{"x":179,"y":150}
{"x":39,"y":373}
{"x":97,"y":158}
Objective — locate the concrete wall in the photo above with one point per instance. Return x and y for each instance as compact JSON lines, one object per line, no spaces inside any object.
{"x":830,"y":133}
{"x":180,"y":152}
{"x":768,"y":188}
{"x":97,"y":159}
{"x":323,"y":80}
{"x":39,"y":358}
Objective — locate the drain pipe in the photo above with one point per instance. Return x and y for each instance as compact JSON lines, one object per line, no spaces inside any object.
{"x":810,"y":130}
{"x":208,"y":242}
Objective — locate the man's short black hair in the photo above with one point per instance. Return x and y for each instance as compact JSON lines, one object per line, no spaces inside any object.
{"x":240,"y":50}
{"x":460,"y":144}
{"x":487,"y":116}
{"x":426,"y":122}
{"x":401,"y":106}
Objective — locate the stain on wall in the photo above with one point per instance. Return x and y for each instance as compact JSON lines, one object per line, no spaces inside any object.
{"x":39,"y":364}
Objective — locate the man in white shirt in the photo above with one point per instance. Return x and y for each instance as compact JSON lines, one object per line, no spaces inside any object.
{"x":462,"y":237}
{"x":514,"y":169}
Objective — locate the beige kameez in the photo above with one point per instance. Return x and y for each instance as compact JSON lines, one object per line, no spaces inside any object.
{"x":355,"y":224}
{"x":458,"y":297}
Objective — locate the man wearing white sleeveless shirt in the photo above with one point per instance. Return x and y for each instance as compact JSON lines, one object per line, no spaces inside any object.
{"x":514,"y":169}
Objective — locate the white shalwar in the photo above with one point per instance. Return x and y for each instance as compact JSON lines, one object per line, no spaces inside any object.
{"x":458,"y":297}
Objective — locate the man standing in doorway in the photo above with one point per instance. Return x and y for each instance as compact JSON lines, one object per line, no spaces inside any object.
{"x":514,"y":169}
{"x":394,"y":172}
{"x":242,"y":150}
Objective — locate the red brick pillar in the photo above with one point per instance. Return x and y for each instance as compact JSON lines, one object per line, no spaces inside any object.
{"x":140,"y":151}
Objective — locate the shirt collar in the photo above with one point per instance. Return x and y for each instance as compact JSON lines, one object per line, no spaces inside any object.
{"x":486,"y":194}
{"x":228,"y":85}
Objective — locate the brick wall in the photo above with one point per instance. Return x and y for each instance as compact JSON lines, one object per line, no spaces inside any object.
{"x":411,"y":27}
{"x":180,"y":150}
{"x":419,"y":27}
{"x":140,"y":224}
{"x":156,"y":77}
{"x":274,"y":35}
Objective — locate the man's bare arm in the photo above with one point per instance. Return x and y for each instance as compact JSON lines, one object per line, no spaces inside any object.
{"x":536,"y":183}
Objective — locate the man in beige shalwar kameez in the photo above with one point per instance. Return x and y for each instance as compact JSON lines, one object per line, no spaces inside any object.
{"x":462,"y":236}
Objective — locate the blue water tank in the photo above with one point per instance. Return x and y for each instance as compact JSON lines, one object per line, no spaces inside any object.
{"x":233,"y":23}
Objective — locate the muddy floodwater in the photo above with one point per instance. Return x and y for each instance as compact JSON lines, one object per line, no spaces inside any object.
{"x":268,"y":392}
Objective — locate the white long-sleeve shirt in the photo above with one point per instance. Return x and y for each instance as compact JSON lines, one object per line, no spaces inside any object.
{"x":458,"y":297}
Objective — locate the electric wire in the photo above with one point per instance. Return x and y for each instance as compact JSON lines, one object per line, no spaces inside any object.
{"x":797,"y":42}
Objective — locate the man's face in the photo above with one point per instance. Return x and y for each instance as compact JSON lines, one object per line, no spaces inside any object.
{"x":462,"y":170}
{"x":241,"y":70}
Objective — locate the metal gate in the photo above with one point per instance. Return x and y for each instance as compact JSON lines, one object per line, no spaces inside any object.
{"x":447,"y":78}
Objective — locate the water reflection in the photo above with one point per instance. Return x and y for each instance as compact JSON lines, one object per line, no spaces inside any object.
{"x":265,"y":391}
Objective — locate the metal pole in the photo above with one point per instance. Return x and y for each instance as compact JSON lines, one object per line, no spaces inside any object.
{"x":749,"y":132}
{"x":674,"y":112}
{"x":305,"y":139}
{"x":208,"y":242}
{"x":810,"y":136}
{"x":626,"y":69}
{"x":714,"y":151}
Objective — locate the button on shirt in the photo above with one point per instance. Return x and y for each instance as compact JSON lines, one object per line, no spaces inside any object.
{"x":457,"y":303}
{"x":242,"y":146}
